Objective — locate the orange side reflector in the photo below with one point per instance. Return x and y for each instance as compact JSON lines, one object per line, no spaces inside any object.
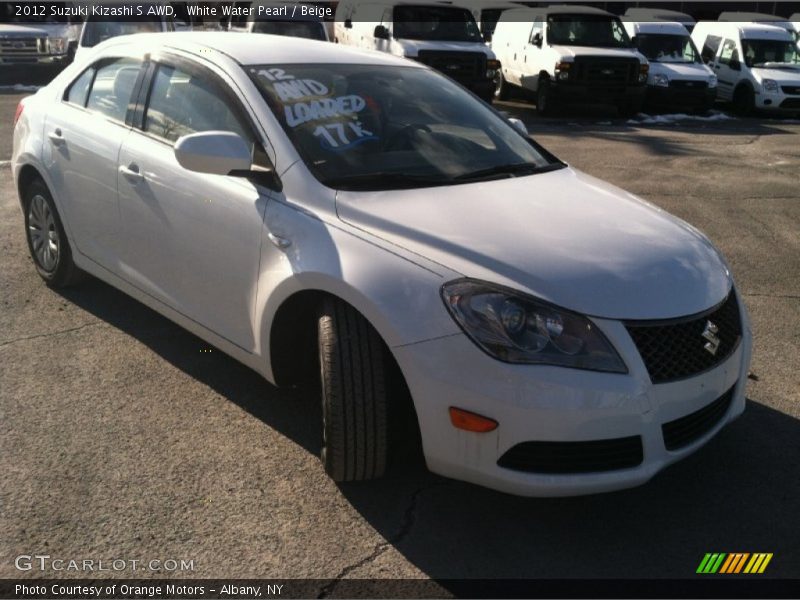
{"x":469,"y":421}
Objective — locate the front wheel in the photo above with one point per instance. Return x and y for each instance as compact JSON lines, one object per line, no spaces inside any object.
{"x":543,"y":97}
{"x":47,"y":241}
{"x":354,"y":398}
{"x":744,"y":101}
{"x":501,"y":91}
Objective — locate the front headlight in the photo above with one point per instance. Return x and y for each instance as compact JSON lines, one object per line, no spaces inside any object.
{"x":517,"y":328}
{"x":770,"y":85}
{"x":57,"y":45}
{"x":492,"y":67}
{"x":660,"y":80}
{"x":712,"y":81}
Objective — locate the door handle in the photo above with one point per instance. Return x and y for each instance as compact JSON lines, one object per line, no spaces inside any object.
{"x":55,"y":138}
{"x":131,"y":172}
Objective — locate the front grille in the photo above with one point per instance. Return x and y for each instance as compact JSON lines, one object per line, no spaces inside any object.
{"x":574,"y":457}
{"x":791,"y":103}
{"x":461,"y":66}
{"x":676,"y":349}
{"x":605,"y":71}
{"x":685,"y":84}
{"x":791,"y":89}
{"x":22,"y":47}
{"x":682,"y":432}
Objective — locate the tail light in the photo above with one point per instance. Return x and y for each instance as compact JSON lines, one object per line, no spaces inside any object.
{"x":18,"y":113}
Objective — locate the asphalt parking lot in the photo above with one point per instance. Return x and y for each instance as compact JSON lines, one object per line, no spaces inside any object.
{"x":121,"y":436}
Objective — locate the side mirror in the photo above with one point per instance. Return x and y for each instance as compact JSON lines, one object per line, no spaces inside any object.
{"x":537,"y":40}
{"x":518,"y":125}
{"x":348,"y":23}
{"x":381,"y":33}
{"x":214,"y":152}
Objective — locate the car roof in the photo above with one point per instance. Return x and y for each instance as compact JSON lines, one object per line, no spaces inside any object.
{"x":660,"y":27}
{"x":661,"y":14}
{"x":556,"y":9}
{"x":251,"y":49}
{"x":746,"y":30}
{"x":748,"y":16}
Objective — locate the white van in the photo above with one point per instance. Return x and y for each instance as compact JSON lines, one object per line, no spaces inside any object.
{"x":486,"y":13}
{"x":442,"y":36}
{"x":761,"y":18}
{"x":569,"y":54}
{"x":678,"y":78}
{"x":758,"y":66}
{"x":99,"y":28}
{"x":29,"y":37}
{"x":642,"y":15}
{"x":283,"y":18}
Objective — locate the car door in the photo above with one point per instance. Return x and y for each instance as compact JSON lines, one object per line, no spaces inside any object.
{"x":728,"y":69}
{"x":531,"y":56}
{"x":83,"y":135}
{"x":191,"y":240}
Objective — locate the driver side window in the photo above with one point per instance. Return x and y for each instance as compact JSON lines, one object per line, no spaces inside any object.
{"x":181,"y":103}
{"x":729,"y":53}
{"x":538,"y":27}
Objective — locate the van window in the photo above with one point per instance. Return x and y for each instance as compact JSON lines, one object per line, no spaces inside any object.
{"x":538,"y":27}
{"x":435,"y":23}
{"x":710,"y":48}
{"x":760,"y":52}
{"x":587,"y":30}
{"x":729,"y":53}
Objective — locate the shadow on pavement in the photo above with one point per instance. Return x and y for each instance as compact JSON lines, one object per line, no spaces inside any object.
{"x":737,"y":494}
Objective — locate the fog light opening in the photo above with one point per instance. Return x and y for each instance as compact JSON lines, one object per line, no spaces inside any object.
{"x":470,"y":421}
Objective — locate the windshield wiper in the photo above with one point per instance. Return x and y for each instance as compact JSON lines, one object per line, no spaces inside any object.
{"x":512,"y":169}
{"x":384,"y":180}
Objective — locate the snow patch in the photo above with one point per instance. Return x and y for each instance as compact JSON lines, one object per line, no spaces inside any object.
{"x":18,"y":87}
{"x":645,"y":119}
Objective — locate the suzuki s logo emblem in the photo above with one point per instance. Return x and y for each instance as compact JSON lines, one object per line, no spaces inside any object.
{"x":710,"y":334}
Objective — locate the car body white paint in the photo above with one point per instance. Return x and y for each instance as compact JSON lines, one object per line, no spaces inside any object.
{"x":207,"y":263}
{"x":730,"y":79}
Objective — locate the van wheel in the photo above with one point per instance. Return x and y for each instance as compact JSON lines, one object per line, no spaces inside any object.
{"x":47,"y":241}
{"x":354,"y":398}
{"x":744,"y":101}
{"x":543,"y":97}
{"x":501,"y":91}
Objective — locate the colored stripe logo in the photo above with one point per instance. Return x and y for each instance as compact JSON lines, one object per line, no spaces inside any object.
{"x":734,"y":563}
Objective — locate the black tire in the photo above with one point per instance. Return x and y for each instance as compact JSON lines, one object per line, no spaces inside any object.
{"x":630,"y":108}
{"x":354,"y":398}
{"x":543,"y":97}
{"x":47,"y":241}
{"x":501,"y":91}
{"x":744,"y":101}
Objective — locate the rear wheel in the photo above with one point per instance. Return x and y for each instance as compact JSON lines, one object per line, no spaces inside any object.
{"x":354,"y":397}
{"x":744,"y":100}
{"x":47,"y":241}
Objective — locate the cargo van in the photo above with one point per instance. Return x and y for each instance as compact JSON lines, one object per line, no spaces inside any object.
{"x":678,"y":77}
{"x":28,"y":37}
{"x":757,"y":65}
{"x":442,"y":36}
{"x":282,"y":18}
{"x":569,"y":53}
{"x":762,"y":18}
{"x":486,"y":13}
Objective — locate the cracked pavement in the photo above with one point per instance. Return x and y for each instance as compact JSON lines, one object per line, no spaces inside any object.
{"x":121,"y":437}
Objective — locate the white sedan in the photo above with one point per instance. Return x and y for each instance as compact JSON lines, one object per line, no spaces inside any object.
{"x":321,"y":212}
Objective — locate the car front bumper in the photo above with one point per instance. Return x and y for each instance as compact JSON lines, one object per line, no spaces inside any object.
{"x":566,"y":92}
{"x":778,"y":102}
{"x":552,"y":404}
{"x":700,"y":98}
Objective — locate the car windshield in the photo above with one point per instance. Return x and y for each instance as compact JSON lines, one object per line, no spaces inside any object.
{"x":312,"y":30}
{"x":667,"y":48}
{"x":587,"y":30}
{"x":760,"y":52}
{"x":101,"y":29}
{"x":440,"y":23}
{"x":368,"y":127}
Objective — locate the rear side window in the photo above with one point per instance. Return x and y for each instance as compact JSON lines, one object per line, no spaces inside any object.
{"x":112,"y":90}
{"x":181,"y":104}
{"x":79,"y":90}
{"x":710,"y":48}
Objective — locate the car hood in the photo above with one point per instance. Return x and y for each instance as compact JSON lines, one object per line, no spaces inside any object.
{"x":782,"y":74}
{"x":574,"y":51}
{"x":563,"y":236}
{"x":411,"y":47}
{"x":684,"y":71}
{"x":8,"y":30}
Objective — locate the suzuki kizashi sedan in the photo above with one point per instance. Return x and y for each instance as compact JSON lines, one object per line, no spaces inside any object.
{"x":322,"y":213}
